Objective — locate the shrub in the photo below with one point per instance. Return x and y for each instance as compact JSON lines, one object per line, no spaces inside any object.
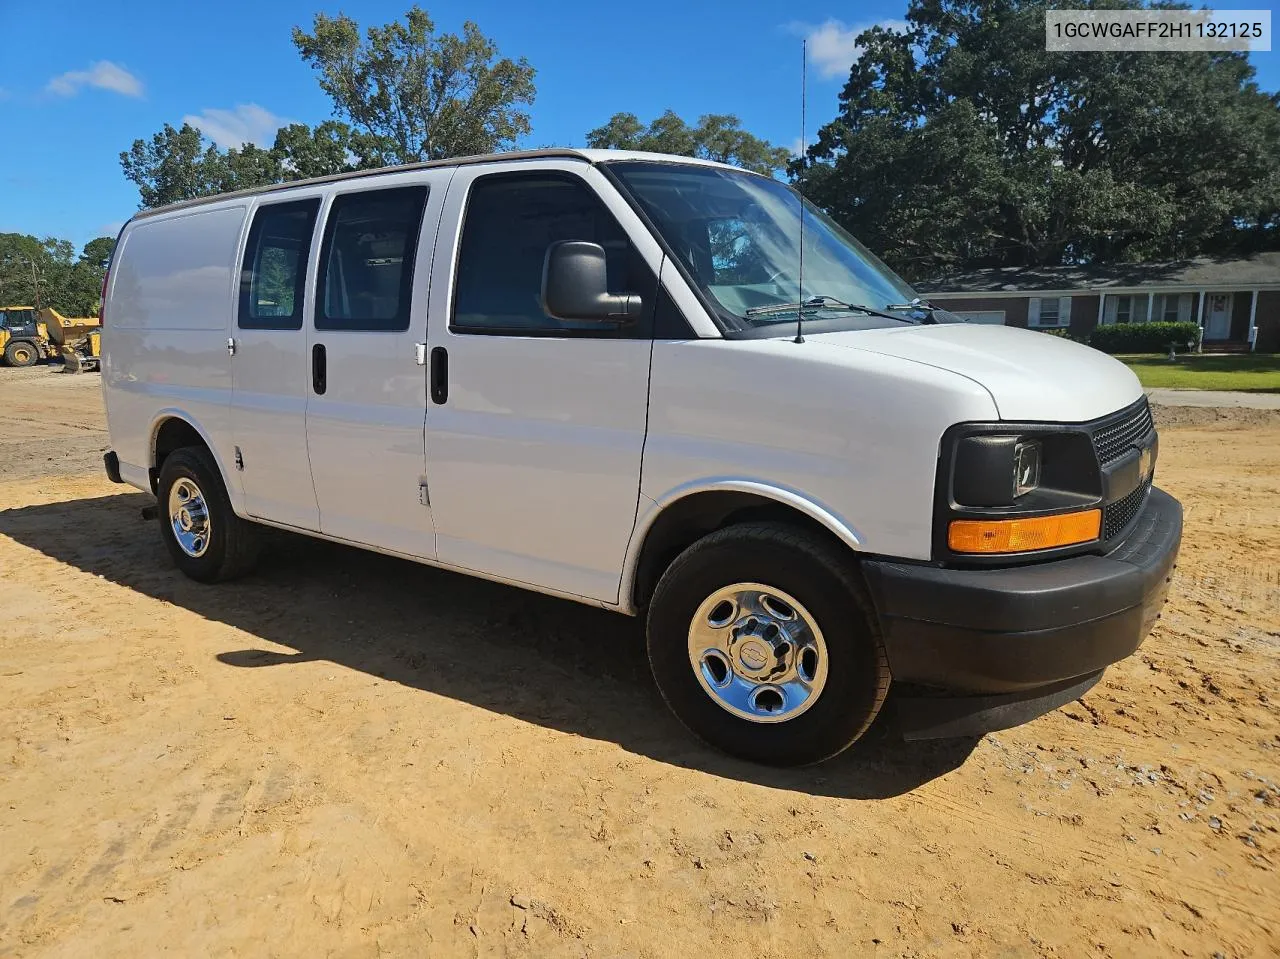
{"x":1064,"y":334}
{"x":1143,"y":337}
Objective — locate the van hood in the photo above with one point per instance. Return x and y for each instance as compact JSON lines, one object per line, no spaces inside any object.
{"x":1030,"y":375}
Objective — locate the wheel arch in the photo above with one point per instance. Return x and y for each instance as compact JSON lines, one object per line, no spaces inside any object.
{"x":173,"y":429}
{"x":686,"y":514}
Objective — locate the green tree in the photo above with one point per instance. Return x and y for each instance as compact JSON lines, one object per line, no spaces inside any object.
{"x":40,"y":273}
{"x":34,"y":272}
{"x":97,"y":253}
{"x":330,"y":147}
{"x":248,"y":166}
{"x":83,"y":295}
{"x":716,"y":136}
{"x":961,"y":143}
{"x":174,"y":165}
{"x":419,"y":95}
{"x":410,"y":93}
{"x":181,"y":164}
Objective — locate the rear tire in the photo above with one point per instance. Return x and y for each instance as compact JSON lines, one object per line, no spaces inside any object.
{"x":206,"y":539}
{"x":762,"y":642}
{"x":21,"y":353}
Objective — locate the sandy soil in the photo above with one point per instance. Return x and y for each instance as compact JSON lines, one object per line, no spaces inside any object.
{"x":349,"y":755}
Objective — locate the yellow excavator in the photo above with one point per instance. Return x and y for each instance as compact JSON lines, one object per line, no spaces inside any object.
{"x":28,"y":335}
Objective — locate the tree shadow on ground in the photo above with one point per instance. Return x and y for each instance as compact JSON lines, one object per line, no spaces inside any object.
{"x":552,"y":662}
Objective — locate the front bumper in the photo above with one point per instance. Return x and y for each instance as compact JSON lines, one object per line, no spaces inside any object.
{"x":1010,"y":643}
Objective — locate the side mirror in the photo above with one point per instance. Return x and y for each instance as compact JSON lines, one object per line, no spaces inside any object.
{"x":575,"y":285}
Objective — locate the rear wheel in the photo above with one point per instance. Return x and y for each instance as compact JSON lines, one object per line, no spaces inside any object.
{"x":204,"y":536}
{"x":21,"y":353}
{"x":762,"y":644}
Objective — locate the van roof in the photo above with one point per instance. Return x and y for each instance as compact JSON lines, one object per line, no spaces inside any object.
{"x":588,"y":156}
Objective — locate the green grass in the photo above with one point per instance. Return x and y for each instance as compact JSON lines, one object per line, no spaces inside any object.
{"x":1250,"y":372}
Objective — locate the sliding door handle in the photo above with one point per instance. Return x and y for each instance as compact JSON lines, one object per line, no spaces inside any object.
{"x":319,"y":369}
{"x":439,"y":375}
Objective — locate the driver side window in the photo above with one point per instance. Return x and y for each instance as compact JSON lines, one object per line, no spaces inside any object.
{"x":510,"y":221}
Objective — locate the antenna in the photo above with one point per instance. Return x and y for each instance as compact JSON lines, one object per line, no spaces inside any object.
{"x":804,"y":72}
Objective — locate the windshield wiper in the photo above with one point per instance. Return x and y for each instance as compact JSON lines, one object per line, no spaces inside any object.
{"x":781,"y":308}
{"x":917,"y":305}
{"x":818,"y":303}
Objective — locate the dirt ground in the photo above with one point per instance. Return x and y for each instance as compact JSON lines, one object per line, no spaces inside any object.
{"x":349,"y":755}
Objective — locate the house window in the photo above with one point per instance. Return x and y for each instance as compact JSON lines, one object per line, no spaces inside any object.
{"x":1172,"y":307}
{"x":1049,"y":311}
{"x":1133,"y":308}
{"x":1130,"y":309}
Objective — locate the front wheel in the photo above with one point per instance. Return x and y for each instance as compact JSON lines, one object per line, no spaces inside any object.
{"x":762,"y":644}
{"x":21,"y":353}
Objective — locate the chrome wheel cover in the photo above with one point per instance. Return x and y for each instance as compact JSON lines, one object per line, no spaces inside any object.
{"x":758,"y":653}
{"x":189,"y":517}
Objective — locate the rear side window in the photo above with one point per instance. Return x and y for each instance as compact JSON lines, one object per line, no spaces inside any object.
{"x":274,"y":273}
{"x":511,"y":219}
{"x":366,"y":264}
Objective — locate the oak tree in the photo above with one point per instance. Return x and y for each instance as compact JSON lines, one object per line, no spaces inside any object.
{"x":419,"y":94}
{"x":716,"y":136}
{"x":961,"y":143}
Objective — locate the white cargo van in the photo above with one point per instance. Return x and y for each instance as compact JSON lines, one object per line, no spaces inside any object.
{"x":579,"y":372}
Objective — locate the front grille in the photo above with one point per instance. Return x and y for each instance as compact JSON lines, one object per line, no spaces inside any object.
{"x":1113,"y":439}
{"x":1123,"y":511}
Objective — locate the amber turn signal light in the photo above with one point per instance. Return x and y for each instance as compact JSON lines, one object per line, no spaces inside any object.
{"x":1023,"y":535}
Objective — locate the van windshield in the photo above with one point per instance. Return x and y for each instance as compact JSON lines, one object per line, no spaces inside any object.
{"x":738,"y":236}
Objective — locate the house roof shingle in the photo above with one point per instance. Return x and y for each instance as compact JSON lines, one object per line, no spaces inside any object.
{"x":1259,"y":270}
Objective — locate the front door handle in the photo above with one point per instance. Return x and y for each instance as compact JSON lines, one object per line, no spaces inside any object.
{"x":319,"y":369}
{"x":439,"y":375}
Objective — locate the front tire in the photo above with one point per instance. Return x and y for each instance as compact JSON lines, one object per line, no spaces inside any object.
{"x":21,"y":353}
{"x":762,"y":643}
{"x":206,"y":539}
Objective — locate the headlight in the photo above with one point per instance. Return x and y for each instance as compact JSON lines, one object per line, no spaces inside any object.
{"x":1006,"y":489}
{"x":1026,"y":467}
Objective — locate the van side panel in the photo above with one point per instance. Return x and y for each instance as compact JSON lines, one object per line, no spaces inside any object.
{"x":165,"y":342}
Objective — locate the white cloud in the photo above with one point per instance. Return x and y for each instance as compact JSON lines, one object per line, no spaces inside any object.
{"x":797,"y":147}
{"x":111,"y":229}
{"x":104,"y":75}
{"x":833,"y":46}
{"x":246,"y":123}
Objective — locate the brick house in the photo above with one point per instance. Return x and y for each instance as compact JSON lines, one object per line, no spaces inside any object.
{"x":1235,"y":301}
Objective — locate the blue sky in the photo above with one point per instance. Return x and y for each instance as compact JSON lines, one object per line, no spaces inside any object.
{"x":95,"y":76}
